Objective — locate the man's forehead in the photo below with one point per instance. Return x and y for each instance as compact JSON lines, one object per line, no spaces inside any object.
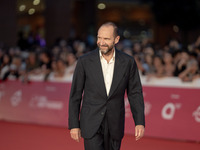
{"x":108,"y":30}
{"x":106,"y":27}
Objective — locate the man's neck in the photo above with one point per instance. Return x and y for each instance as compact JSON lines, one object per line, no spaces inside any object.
{"x":109,"y":55}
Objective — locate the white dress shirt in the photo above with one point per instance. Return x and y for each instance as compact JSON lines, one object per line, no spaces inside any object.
{"x":108,"y":69}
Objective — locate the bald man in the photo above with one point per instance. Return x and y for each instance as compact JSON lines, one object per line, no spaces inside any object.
{"x":100,"y":80}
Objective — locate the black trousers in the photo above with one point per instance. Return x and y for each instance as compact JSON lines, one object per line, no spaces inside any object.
{"x":102,"y":140}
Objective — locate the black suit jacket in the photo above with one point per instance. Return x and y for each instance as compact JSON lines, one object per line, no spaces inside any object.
{"x":88,"y":84}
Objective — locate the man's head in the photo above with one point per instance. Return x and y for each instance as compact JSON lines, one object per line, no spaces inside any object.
{"x":107,"y":37}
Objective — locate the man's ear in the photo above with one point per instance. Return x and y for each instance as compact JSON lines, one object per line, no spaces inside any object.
{"x":117,"y":39}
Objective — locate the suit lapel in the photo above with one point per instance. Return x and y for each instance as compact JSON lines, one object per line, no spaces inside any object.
{"x":98,"y":74}
{"x":119,"y":70}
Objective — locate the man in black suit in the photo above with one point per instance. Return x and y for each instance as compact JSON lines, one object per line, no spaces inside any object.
{"x":99,"y":83}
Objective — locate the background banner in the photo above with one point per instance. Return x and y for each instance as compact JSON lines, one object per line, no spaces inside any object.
{"x":172,"y":113}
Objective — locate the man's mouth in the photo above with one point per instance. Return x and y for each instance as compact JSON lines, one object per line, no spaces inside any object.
{"x":103,"y":46}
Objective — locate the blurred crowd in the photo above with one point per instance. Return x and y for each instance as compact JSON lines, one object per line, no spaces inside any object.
{"x":37,"y":63}
{"x":171,"y":60}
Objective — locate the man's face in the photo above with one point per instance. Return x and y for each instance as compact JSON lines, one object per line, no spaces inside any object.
{"x":106,"y":39}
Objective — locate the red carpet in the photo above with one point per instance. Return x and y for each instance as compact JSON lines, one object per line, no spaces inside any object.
{"x":16,"y":136}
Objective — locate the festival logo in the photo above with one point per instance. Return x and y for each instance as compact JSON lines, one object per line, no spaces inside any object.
{"x":16,"y":98}
{"x":169,"y":110}
{"x":175,"y":96}
{"x":196,"y":114}
{"x":43,"y":102}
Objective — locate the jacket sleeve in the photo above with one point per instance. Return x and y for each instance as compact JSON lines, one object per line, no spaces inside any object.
{"x":135,"y":96}
{"x":76,"y":96}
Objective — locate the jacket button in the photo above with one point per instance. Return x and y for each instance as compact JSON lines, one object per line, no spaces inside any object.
{"x":102,"y":113}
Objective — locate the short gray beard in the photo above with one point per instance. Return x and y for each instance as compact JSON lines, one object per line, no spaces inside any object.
{"x":106,"y":52}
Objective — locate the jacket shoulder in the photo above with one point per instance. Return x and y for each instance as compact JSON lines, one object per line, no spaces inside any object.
{"x":88,"y":55}
{"x":126,"y":56}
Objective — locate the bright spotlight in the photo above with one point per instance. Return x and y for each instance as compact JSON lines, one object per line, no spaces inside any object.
{"x":36,"y":2}
{"x":31,"y":11}
{"x":22,"y":7}
{"x":101,"y":6}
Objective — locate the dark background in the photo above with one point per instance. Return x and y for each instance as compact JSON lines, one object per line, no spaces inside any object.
{"x":158,"y":20}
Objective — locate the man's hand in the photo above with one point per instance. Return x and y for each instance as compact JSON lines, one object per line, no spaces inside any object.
{"x":76,"y":134}
{"x":139,"y":132}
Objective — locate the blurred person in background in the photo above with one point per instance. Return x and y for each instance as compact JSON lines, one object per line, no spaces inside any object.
{"x":16,"y":69}
{"x":176,"y":57}
{"x":65,"y":47}
{"x":79,"y":48}
{"x":71,"y":65}
{"x":56,"y":50}
{"x":5,"y":66}
{"x":159,"y":67}
{"x":59,"y":72}
{"x":181,"y":64}
{"x":138,"y":55}
{"x":191,"y":72}
{"x":32,"y":63}
{"x":197,"y":51}
{"x":148,"y":50}
{"x":32,"y":67}
{"x":137,"y":48}
{"x":174,"y":45}
{"x":148,"y":65}
{"x":168,"y":64}
{"x":45,"y":64}
{"x":128,"y":51}
{"x":139,"y":63}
